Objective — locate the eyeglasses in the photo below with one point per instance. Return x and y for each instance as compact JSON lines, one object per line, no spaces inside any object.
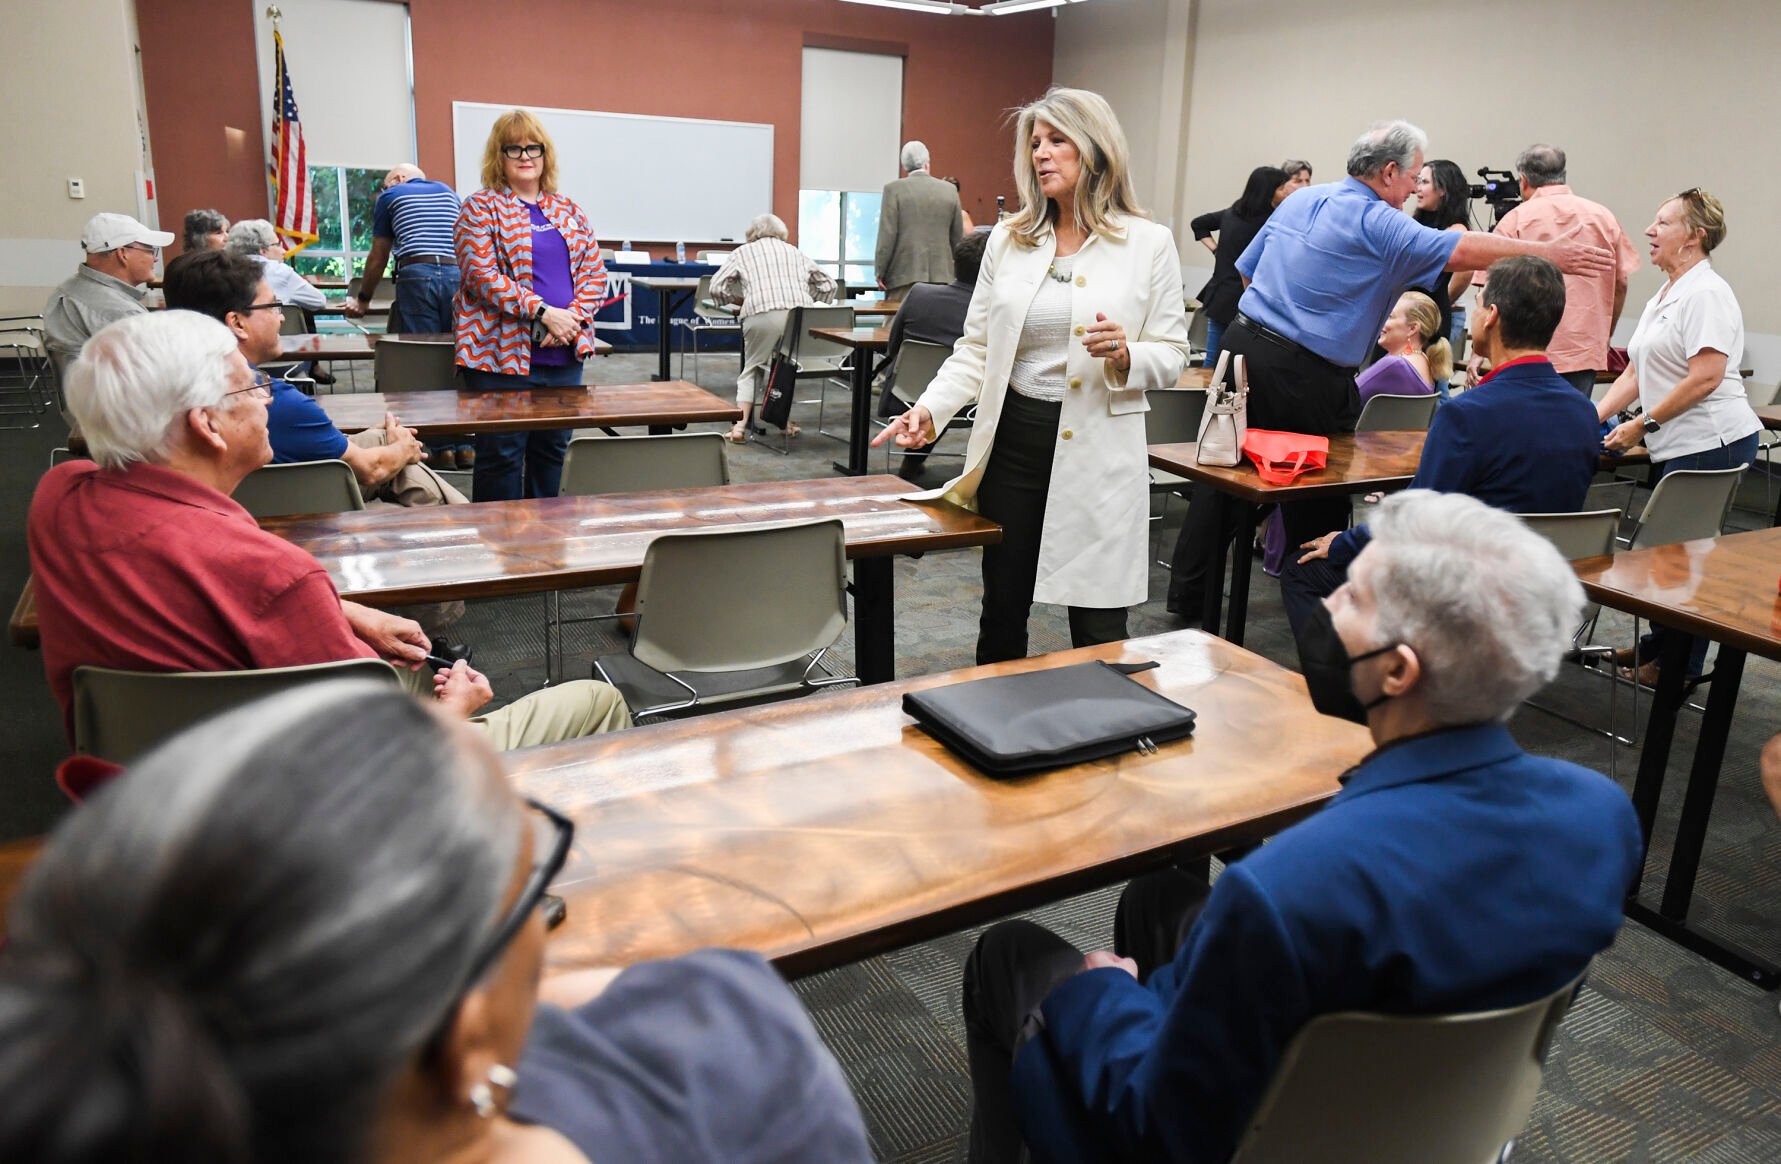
{"x":523,"y":151}
{"x":261,"y":388}
{"x":556,"y":851}
{"x":274,"y":305}
{"x":144,"y":248}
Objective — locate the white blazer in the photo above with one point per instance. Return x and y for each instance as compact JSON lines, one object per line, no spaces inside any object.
{"x":1092,"y":550}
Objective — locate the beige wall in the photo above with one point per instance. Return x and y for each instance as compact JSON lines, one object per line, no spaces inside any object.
{"x":69,"y":105}
{"x":1647,"y":97}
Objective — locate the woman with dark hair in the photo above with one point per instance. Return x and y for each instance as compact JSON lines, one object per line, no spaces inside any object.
{"x":1235,"y":226}
{"x":312,"y":929}
{"x":1443,"y":201}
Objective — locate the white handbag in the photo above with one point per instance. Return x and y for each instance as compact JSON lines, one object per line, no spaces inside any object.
{"x":1225,"y":422}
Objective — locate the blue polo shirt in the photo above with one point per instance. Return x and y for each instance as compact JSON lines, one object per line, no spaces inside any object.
{"x":298,"y":428}
{"x":419,"y":215}
{"x":1330,"y":263}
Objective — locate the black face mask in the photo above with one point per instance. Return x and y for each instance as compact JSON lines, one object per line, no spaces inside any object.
{"x":1328,"y":668}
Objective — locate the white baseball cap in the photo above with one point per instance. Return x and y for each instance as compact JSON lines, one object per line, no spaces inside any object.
{"x":108,"y":232}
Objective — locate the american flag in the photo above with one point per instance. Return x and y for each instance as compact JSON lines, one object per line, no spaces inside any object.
{"x":293,"y":209}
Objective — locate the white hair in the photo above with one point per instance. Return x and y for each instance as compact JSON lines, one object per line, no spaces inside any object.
{"x":251,"y":236}
{"x":914,"y":156}
{"x":1487,"y":604}
{"x":136,"y":379}
{"x":1383,"y":143}
{"x":766,"y":226}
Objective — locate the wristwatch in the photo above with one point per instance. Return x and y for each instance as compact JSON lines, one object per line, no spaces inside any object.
{"x":1651,"y":425}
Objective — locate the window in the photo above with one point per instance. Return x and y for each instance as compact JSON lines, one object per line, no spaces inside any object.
{"x":344,"y":199}
{"x":838,"y":229}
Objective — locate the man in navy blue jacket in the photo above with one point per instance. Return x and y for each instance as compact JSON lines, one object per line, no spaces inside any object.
{"x":1520,"y":440}
{"x":1453,"y":872}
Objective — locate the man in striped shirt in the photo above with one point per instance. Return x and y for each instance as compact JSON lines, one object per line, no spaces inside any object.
{"x":414,"y":218}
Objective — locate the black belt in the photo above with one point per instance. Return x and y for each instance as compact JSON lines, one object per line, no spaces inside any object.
{"x":1290,"y":345}
{"x":426,"y":261}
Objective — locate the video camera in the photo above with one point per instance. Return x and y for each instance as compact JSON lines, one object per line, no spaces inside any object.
{"x":1501,"y":188}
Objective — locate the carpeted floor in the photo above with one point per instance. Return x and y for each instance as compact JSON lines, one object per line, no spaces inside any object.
{"x":1664,"y":1057}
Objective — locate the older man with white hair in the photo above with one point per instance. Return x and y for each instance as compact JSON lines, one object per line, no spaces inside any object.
{"x":768,"y":276}
{"x":1321,"y":277}
{"x":121,"y":254}
{"x":919,"y":223}
{"x":143,"y":562}
{"x":258,"y":240}
{"x":1453,"y":872}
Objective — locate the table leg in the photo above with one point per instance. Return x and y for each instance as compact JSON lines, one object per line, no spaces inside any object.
{"x":1240,"y":567}
{"x":1660,"y":729}
{"x":664,"y":313}
{"x":859,"y":425}
{"x":1703,"y":781}
{"x":874,"y":628}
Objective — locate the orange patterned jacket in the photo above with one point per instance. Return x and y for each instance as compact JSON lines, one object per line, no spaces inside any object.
{"x":495,"y":303}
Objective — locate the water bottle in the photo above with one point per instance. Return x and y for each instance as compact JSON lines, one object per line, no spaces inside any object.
{"x":626,"y":246}
{"x":680,"y":252}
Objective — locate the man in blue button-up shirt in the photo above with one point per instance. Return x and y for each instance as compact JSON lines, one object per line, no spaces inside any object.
{"x":1453,"y":872}
{"x":1323,"y":275}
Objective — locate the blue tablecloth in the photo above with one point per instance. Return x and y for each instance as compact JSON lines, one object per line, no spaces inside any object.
{"x":630,"y":323}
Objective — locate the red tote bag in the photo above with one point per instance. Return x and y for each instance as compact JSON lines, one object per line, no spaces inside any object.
{"x":1280,"y":457}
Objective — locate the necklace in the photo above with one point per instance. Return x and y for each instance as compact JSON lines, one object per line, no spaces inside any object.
{"x":1056,"y":275}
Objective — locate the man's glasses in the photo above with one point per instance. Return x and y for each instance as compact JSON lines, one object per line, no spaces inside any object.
{"x":273,"y":305}
{"x":144,"y":248}
{"x":261,"y":388}
{"x":523,"y":151}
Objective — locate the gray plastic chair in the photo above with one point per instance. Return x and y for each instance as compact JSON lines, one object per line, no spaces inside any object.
{"x":1174,"y":417}
{"x":632,"y":464}
{"x":413,"y":365}
{"x":118,"y":715}
{"x":917,"y":363}
{"x":1389,"y":1089}
{"x":1584,"y":535}
{"x":1687,"y":504}
{"x":26,"y":378}
{"x":707,"y":316}
{"x":301,"y":487}
{"x":734,"y":615}
{"x":1388,"y":413}
{"x":820,"y":359}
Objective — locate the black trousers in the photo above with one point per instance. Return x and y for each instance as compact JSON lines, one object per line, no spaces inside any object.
{"x":1289,"y":391}
{"x":1012,"y":494}
{"x":1017,"y":963}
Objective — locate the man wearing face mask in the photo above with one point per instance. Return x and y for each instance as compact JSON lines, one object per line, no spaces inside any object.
{"x":1452,"y":873}
{"x":1523,"y":440}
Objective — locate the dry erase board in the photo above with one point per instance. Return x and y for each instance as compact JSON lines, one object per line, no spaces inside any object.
{"x":656,"y":178}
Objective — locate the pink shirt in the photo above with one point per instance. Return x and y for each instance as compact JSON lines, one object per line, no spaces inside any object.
{"x":1581,"y":341}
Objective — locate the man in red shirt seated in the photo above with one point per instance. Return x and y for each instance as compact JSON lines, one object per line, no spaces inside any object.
{"x":143,"y":562}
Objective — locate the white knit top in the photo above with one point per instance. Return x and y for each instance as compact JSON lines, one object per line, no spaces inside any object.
{"x":1039,"y":358}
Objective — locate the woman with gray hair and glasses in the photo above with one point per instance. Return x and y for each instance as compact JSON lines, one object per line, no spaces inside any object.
{"x":312,"y":929}
{"x":258,"y":240}
{"x":768,"y":276}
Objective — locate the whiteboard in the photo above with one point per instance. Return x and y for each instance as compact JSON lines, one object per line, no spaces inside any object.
{"x":662,"y":179}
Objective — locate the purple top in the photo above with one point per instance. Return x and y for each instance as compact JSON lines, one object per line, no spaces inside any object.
{"x":551,"y":280}
{"x":1392,"y":376}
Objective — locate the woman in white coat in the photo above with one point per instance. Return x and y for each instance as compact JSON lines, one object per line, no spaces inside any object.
{"x":1078,"y":312}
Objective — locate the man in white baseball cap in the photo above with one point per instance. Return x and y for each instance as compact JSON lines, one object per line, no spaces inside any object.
{"x":121,"y":255}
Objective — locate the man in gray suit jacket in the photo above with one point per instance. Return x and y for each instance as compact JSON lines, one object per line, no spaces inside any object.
{"x":918,"y":226}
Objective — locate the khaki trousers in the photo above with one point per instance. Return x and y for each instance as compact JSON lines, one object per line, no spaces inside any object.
{"x":414,"y":485}
{"x":567,"y":711}
{"x":760,"y":334}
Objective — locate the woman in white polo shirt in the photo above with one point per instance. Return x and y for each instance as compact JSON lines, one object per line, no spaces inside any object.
{"x":1683,"y":368}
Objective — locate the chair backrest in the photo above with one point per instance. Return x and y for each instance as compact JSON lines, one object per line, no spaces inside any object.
{"x":1174,"y":415}
{"x":1390,"y":413}
{"x":1761,"y":395}
{"x":1578,"y":535}
{"x":1687,"y":504}
{"x":918,"y":362}
{"x":118,"y":715}
{"x":810,"y":348}
{"x":631,"y":464}
{"x":414,"y":365}
{"x":300,"y":487}
{"x":296,"y":321}
{"x":738,"y":599}
{"x":1196,"y":331}
{"x":1389,"y":1089}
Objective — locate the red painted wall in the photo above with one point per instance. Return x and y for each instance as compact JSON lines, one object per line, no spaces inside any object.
{"x":737,"y":60}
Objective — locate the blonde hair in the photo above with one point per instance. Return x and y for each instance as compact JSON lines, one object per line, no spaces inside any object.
{"x":1423,"y":315}
{"x":512,"y":128}
{"x":1703,"y":212}
{"x":1104,"y":187}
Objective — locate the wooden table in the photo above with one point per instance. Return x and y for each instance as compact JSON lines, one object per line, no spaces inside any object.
{"x":1195,"y":378}
{"x":1357,"y":463}
{"x":1722,"y":589}
{"x":362,"y":345}
{"x":1770,"y":416}
{"x":671,"y":291}
{"x":449,"y":552}
{"x":882,"y":308}
{"x":821,"y":831}
{"x":338,"y":307}
{"x":867,"y":343}
{"x":446,"y":412}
